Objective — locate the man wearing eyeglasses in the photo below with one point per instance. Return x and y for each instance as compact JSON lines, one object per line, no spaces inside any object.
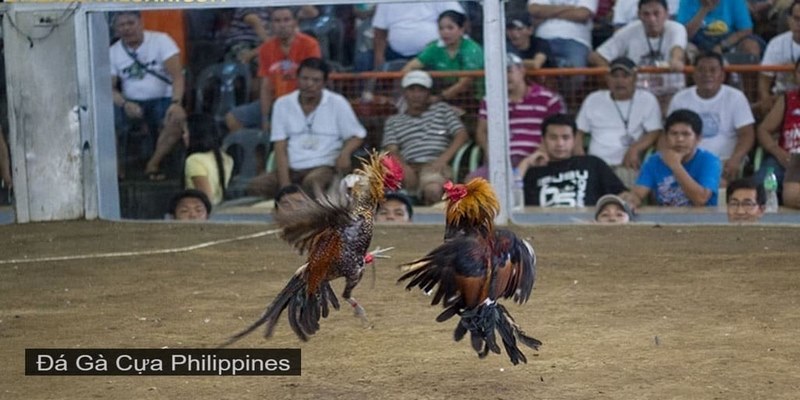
{"x":746,"y":201}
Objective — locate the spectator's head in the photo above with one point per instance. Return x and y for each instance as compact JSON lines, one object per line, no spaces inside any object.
{"x":516,"y":72}
{"x":312,"y":74}
{"x":200,"y":135}
{"x":621,"y":78}
{"x":289,"y":199}
{"x":709,"y":74}
{"x":746,"y":200}
{"x":190,"y":204}
{"x":683,"y":131}
{"x":395,"y":208}
{"x":653,"y":14}
{"x":283,"y":22}
{"x":417,"y":86}
{"x":611,"y":209}
{"x":128,"y":27}
{"x":519,"y":30}
{"x":793,"y":20}
{"x":451,"y":27}
{"x":558,"y":133}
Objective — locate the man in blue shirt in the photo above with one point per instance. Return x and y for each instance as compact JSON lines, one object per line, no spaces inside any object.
{"x":681,"y":174}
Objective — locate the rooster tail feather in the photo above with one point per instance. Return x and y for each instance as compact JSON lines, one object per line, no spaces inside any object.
{"x":447,"y":314}
{"x":510,"y":332}
{"x":485,"y":323}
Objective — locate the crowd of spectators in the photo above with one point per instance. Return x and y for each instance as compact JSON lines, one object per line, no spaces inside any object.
{"x":617,"y":135}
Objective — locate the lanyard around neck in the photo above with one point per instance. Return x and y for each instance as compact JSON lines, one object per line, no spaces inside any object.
{"x":625,"y":119}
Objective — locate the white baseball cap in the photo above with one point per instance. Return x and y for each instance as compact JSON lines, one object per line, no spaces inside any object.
{"x":417,"y":77}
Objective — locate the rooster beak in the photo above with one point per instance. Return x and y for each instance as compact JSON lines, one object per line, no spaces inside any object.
{"x":444,"y":196}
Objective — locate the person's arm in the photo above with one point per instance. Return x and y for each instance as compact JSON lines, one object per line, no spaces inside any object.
{"x":129,"y":107}
{"x":255,"y":22}
{"x":173,"y":67}
{"x":536,"y":62}
{"x":676,"y":59}
{"x":266,"y":96}
{"x":412,"y":65}
{"x":282,"y":162}
{"x":633,"y":157}
{"x":638,"y":195}
{"x":379,"y":47}
{"x":596,"y":60}
{"x":578,"y":148}
{"x":5,"y":162}
{"x":202,"y":184}
{"x":456,"y":89}
{"x":746,"y":137}
{"x":696,"y":193}
{"x":459,"y":139}
{"x":772,"y":123}
{"x":343,"y":162}
{"x":733,"y":39}
{"x":570,"y":13}
{"x":482,"y":138}
{"x":765,"y":97}
{"x":696,"y":22}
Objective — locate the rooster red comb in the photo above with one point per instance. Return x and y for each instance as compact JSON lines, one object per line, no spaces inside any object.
{"x":454,"y":192}
{"x":392,"y":172}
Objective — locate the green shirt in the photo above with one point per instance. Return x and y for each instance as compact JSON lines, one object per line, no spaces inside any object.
{"x":469,"y":57}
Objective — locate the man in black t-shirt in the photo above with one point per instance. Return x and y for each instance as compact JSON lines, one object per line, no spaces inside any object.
{"x":534,"y":52}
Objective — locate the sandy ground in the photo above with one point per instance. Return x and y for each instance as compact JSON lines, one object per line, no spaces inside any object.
{"x":633,"y":312}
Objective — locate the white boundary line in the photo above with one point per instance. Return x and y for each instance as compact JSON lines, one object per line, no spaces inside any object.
{"x":141,"y":253}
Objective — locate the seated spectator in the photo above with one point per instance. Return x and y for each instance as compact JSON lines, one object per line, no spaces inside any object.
{"x":681,"y":174}
{"x":534,"y":52}
{"x":424,"y":138}
{"x":719,"y":26}
{"x":623,"y":122}
{"x":190,"y":204}
{"x":652,"y":40}
{"x":147,"y":85}
{"x":781,"y":50}
{"x":566,"y":25}
{"x":728,"y":130}
{"x":452,"y":52}
{"x":396,"y":208}
{"x":612,"y":209}
{"x":791,"y":183}
{"x":278,"y":59}
{"x":565,"y":180}
{"x":746,"y":200}
{"x":247,"y":30}
{"x":207,"y":168}
{"x":626,"y":11}
{"x":528,"y":104}
{"x":314,"y":134}
{"x":782,"y":121}
{"x":290,"y":198}
{"x":5,"y":162}
{"x":402,"y":30}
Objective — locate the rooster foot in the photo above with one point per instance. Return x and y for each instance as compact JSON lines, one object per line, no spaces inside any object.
{"x":360,"y":313}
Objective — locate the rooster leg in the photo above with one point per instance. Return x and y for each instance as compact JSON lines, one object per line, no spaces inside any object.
{"x":358,"y":310}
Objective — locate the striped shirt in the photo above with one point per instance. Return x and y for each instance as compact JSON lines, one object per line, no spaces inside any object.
{"x":424,"y":138}
{"x":240,"y":31}
{"x":525,"y":119}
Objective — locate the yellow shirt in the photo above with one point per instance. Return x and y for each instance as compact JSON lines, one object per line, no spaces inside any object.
{"x":203,"y":164}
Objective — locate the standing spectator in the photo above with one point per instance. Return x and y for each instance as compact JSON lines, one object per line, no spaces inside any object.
{"x":190,"y":205}
{"x":791,"y":183}
{"x":452,"y":52}
{"x":783,"y":120}
{"x":207,"y":168}
{"x":314,"y":134}
{"x":681,"y":174}
{"x":567,"y":27}
{"x":653,"y":40}
{"x":5,"y":162}
{"x":565,"y":180}
{"x":746,"y":200}
{"x":396,"y":208}
{"x":728,"y":122}
{"x":781,"y":50}
{"x":424,"y":137}
{"x":278,"y":60}
{"x":147,"y":85}
{"x":528,"y":105}
{"x":363,"y":54}
{"x":534,"y":52}
{"x":623,"y":121}
{"x":720,"y":26}
{"x":247,"y":30}
{"x":402,"y":30}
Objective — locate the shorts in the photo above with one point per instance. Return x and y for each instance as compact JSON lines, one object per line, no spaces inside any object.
{"x":429,"y":176}
{"x":249,"y":115}
{"x":793,"y":172}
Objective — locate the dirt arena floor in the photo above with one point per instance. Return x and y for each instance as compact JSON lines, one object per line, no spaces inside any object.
{"x":631,"y":312}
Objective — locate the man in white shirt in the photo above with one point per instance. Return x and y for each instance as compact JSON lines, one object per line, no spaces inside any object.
{"x":783,"y":49}
{"x":314,"y":134}
{"x":567,"y":27}
{"x":147,"y":85}
{"x":623,"y":121}
{"x":728,"y":121}
{"x":626,"y":11}
{"x":653,"y":40}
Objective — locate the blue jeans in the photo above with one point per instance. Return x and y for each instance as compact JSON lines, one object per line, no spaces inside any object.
{"x":153,"y":112}
{"x":568,"y":53}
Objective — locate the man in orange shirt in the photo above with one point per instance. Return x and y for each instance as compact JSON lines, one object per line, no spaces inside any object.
{"x":278,"y":59}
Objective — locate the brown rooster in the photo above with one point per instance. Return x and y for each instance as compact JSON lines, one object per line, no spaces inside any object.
{"x":476,"y":266}
{"x":336,"y":234}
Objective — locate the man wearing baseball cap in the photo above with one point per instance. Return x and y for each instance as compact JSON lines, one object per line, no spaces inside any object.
{"x":519,"y":32}
{"x":425,"y":137}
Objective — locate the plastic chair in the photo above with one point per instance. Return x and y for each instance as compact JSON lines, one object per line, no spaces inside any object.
{"x":222,"y":78}
{"x":244,"y":146}
{"x":458,"y":159}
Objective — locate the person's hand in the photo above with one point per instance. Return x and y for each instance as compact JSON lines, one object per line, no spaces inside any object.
{"x":632,"y":159}
{"x":175,"y":114}
{"x":343,"y":163}
{"x":437,"y":166}
{"x":763,"y":106}
{"x":783,"y":157}
{"x":709,"y":4}
{"x":676,"y":64}
{"x":537,"y":159}
{"x":245,"y":56}
{"x":6,"y":178}
{"x":730,"y":171}
{"x":671,"y":158}
{"x":132,"y":110}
